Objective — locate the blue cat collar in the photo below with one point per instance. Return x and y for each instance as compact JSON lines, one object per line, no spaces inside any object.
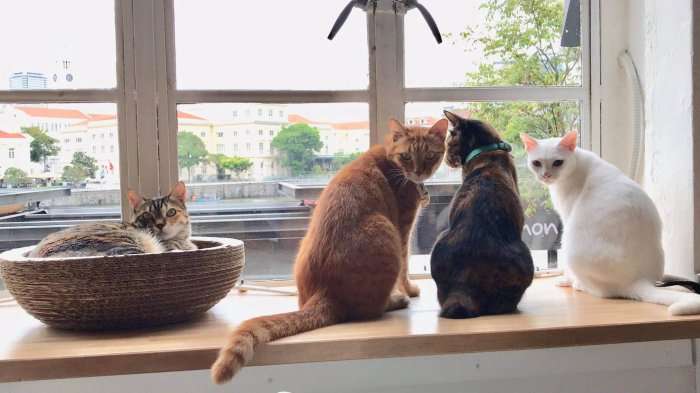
{"x":504,"y":146}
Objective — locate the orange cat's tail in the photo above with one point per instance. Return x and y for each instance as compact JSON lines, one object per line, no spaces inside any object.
{"x":239,"y":350}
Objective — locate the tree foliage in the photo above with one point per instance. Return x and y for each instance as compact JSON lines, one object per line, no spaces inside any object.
{"x":15,"y":177}
{"x":298,"y":144}
{"x":237,"y":164}
{"x":42,"y":145}
{"x":85,"y":163}
{"x":73,"y":174}
{"x":340,"y":160}
{"x":191,"y":151}
{"x":519,"y":40}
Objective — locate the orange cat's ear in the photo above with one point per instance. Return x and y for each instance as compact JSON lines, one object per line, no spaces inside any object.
{"x":179,"y":191}
{"x":528,"y":141}
{"x":396,"y":130}
{"x":568,"y":142}
{"x":439,"y":129}
{"x":134,"y":198}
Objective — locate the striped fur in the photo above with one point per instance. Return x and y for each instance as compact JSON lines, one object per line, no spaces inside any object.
{"x":157,"y":225}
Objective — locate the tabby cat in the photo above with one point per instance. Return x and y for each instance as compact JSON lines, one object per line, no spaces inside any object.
{"x":352,"y":263}
{"x":158,"y":225}
{"x":480,"y":264}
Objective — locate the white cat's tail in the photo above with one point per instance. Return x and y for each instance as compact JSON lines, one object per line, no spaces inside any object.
{"x":679,"y":303}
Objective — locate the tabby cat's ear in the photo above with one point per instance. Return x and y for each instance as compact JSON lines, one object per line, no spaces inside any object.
{"x":134,"y":198}
{"x":568,"y":142}
{"x":396,"y":129}
{"x":179,"y":191}
{"x":528,"y":141}
{"x":454,"y":119}
{"x":439,"y":129}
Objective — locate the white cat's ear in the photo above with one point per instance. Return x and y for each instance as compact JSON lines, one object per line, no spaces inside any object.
{"x":528,"y":141}
{"x":568,"y":142}
{"x":439,"y":129}
{"x":179,"y":191}
{"x":134,"y":198}
{"x":396,"y":129}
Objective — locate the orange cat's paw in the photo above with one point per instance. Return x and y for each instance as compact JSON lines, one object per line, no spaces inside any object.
{"x":424,"y":195}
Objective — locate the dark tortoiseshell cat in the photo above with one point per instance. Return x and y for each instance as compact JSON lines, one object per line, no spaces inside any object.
{"x":158,"y":225}
{"x":480,"y":264}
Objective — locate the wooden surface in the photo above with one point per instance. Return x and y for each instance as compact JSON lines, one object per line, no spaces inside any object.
{"x":549,"y":317}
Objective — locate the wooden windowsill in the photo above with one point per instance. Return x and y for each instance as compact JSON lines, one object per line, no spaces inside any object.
{"x":549,"y":317}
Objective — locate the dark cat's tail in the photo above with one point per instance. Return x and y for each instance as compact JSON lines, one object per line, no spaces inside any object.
{"x":241,"y":345}
{"x":691,"y":285}
{"x":459,"y":305}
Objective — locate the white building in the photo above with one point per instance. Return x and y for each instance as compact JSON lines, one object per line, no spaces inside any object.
{"x":14,"y":152}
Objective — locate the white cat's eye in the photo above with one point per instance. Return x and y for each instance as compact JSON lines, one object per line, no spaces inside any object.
{"x":558,"y":163}
{"x":171,"y":212}
{"x":536,"y":163}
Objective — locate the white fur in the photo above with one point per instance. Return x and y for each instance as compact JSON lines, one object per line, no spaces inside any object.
{"x":611,"y":245}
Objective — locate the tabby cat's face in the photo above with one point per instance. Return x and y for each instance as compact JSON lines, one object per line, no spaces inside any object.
{"x":165,"y":217}
{"x":417,"y":151}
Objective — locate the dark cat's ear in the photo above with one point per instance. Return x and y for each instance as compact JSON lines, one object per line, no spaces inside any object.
{"x":439,"y":129}
{"x":454,"y":119}
{"x":134,"y":198}
{"x":179,"y":191}
{"x":396,"y":130}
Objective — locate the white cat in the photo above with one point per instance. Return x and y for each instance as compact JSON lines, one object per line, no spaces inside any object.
{"x":611,"y":244}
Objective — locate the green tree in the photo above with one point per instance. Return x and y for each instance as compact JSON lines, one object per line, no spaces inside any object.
{"x":15,"y":177}
{"x":218,"y":161}
{"x":86,"y":163}
{"x":340,"y":160}
{"x":298,"y":144}
{"x":237,"y":164}
{"x":519,"y":39}
{"x":42,"y":145}
{"x":190,"y":152}
{"x":73,"y":174}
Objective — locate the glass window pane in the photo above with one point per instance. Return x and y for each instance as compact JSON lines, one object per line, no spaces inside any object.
{"x":261,"y":187}
{"x":269,"y":44}
{"x":490,"y":43}
{"x":541,"y":120}
{"x":65,"y":161}
{"x":50,"y":44}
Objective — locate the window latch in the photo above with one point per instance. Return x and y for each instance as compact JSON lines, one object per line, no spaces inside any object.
{"x":403,"y":5}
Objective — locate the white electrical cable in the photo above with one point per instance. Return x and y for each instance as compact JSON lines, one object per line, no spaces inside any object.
{"x":625,"y":60}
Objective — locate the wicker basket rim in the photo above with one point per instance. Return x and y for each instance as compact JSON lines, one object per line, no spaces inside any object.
{"x":19,"y":254}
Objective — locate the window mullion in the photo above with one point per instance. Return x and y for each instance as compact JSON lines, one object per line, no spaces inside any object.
{"x":385,"y":24}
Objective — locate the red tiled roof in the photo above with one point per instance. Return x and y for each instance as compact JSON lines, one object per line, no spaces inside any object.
{"x":353,"y":125}
{"x":99,"y":117}
{"x":14,"y":135}
{"x":184,"y":115}
{"x":299,"y":119}
{"x":53,"y":112}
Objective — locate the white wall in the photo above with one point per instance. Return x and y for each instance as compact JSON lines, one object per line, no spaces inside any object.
{"x":668,"y":174}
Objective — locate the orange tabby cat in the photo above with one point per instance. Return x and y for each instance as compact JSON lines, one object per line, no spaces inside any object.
{"x":352,"y":263}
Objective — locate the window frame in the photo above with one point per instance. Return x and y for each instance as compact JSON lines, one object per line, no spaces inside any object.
{"x":147,"y":96}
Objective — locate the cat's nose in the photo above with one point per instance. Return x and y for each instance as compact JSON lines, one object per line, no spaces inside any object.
{"x":547,"y":175}
{"x":160,"y":225}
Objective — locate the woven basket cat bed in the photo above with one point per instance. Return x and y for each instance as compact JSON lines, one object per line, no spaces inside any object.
{"x":126,"y":291}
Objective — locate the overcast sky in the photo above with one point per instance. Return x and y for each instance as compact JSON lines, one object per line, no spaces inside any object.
{"x":244,"y":44}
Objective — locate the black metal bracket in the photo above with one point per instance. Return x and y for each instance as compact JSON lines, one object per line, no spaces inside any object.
{"x":407,"y":4}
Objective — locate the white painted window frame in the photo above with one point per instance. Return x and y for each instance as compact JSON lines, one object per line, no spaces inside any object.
{"x":147,"y":96}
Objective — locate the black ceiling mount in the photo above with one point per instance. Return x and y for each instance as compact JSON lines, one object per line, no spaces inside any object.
{"x":408,"y":4}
